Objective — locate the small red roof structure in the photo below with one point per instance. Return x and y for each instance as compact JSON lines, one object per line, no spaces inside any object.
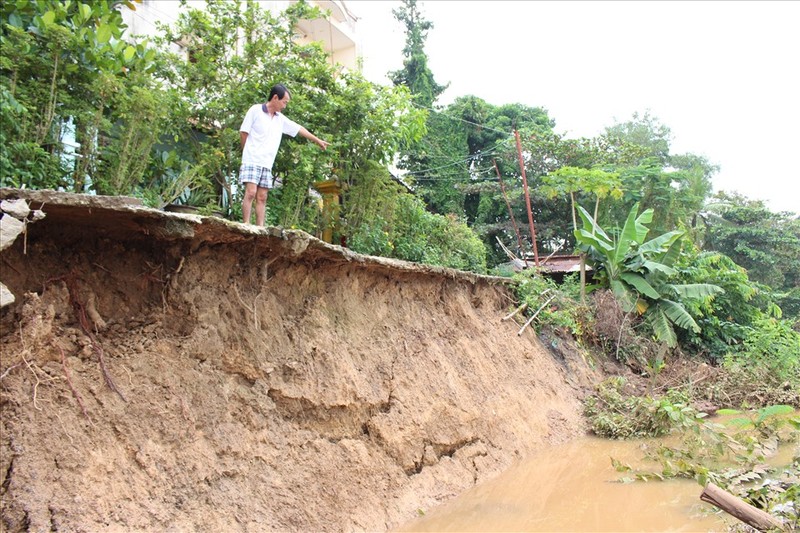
{"x":562,"y":263}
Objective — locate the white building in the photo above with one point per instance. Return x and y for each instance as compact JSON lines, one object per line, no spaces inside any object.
{"x":337,"y":34}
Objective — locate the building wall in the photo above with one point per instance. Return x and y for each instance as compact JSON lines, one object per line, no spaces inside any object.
{"x":337,"y":34}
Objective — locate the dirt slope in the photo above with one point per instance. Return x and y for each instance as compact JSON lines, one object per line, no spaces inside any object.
{"x":176,"y":373}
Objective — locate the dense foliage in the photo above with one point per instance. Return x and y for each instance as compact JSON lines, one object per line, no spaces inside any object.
{"x":399,"y":226}
{"x":765,"y":244}
{"x":81,"y":107}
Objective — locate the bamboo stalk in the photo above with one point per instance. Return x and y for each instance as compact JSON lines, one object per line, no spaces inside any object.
{"x":528,"y":323}
{"x":519,"y":309}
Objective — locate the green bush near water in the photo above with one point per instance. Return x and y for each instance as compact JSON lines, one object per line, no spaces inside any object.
{"x":733,"y":454}
{"x":615,"y":415}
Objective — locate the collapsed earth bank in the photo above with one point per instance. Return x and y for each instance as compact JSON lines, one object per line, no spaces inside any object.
{"x":175,"y":372}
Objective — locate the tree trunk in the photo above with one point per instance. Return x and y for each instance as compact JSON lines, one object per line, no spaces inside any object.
{"x":740,"y":509}
{"x":583,"y":278}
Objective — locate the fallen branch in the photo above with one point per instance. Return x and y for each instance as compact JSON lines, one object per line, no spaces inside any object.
{"x":740,"y":509}
{"x":554,"y":253}
{"x":508,"y":252}
{"x":672,"y":382}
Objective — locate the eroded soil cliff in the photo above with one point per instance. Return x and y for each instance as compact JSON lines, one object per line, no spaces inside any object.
{"x":175,"y":372}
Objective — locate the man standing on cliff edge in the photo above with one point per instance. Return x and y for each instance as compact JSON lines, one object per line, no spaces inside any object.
{"x":261,"y":133}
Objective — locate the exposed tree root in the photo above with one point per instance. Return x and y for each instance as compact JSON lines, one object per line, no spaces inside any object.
{"x":32,"y":367}
{"x":9,"y":369}
{"x":72,"y":387}
{"x":80,"y":312}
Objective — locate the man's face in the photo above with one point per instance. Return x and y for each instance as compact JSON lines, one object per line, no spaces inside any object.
{"x":282,"y":102}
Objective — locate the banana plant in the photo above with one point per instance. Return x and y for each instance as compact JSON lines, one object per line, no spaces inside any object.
{"x":638,"y":272}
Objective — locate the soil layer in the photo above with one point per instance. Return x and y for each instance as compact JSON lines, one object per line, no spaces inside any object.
{"x":175,"y":372}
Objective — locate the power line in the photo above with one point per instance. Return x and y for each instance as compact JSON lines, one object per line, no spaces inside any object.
{"x":474,"y":175}
{"x":463,"y":120}
{"x":453,"y":162}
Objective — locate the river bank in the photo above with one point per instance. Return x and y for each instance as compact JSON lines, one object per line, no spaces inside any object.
{"x":168,"y":371}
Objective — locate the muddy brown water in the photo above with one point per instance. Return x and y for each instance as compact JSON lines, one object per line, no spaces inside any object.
{"x":573,"y":487}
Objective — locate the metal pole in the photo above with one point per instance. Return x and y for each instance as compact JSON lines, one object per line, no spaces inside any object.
{"x":527,"y":199}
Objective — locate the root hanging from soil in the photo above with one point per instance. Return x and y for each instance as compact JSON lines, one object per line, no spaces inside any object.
{"x":80,"y":312}
{"x":32,"y":367}
{"x":75,"y":392}
{"x":9,"y":369}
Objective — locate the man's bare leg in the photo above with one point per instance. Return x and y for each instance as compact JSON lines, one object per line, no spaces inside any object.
{"x":247,"y":201}
{"x":261,"y":205}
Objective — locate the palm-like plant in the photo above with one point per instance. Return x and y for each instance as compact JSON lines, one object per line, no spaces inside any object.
{"x":638,"y":272}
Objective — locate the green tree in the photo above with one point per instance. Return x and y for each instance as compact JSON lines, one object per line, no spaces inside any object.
{"x":646,"y":131}
{"x":66,"y":73}
{"x":439,"y":160}
{"x":766,"y":244}
{"x":570,"y":180}
{"x":545,"y":153}
{"x":726,"y":320}
{"x":464,"y":180}
{"x":222,"y":77}
{"x":674,"y":186}
{"x":415,"y":74}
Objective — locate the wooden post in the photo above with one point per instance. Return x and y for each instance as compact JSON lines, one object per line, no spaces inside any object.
{"x":740,"y":509}
{"x":583,"y":278}
{"x":527,"y":199}
{"x":510,"y":213}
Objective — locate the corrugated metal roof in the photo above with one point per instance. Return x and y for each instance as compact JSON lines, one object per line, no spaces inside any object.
{"x":553,"y":264}
{"x":562,"y":263}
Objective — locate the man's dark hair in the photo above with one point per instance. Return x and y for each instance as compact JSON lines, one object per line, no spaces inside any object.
{"x":279,"y":89}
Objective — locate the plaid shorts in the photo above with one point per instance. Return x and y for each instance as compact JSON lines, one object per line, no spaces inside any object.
{"x":261,"y":176}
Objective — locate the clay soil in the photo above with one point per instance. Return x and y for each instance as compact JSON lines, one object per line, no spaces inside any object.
{"x":165,"y":372}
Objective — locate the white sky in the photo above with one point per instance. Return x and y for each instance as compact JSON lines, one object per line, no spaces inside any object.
{"x":724,"y":76}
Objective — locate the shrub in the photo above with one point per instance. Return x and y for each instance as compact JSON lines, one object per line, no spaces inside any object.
{"x":562,"y":311}
{"x":372,"y":238}
{"x":774,"y":345}
{"x":408,"y":231}
{"x":24,"y":164}
{"x":615,"y":415}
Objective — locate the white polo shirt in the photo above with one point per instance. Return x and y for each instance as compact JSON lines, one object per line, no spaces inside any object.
{"x":264,"y":135}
